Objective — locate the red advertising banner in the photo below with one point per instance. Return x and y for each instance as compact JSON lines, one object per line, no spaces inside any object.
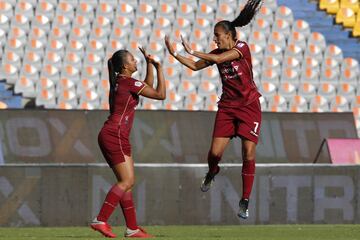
{"x":344,"y":151}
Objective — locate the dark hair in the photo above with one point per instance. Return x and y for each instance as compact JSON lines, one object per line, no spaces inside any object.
{"x":115,"y":66}
{"x":244,"y":18}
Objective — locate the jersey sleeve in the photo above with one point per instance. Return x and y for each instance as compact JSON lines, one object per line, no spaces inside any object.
{"x":242,"y":48}
{"x":136,"y":86}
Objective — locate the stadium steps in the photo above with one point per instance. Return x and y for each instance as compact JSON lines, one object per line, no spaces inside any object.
{"x":320,"y":21}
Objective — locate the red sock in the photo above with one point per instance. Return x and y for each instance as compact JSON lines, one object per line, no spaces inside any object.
{"x":111,"y":201}
{"x":128,"y":208}
{"x":248,"y":173}
{"x":213,"y":162}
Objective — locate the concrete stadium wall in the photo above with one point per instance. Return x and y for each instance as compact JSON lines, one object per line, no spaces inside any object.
{"x":168,"y":194}
{"x":58,"y":136}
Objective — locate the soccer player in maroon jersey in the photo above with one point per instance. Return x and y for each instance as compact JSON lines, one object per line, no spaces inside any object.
{"x":114,"y":136}
{"x":239,"y":112}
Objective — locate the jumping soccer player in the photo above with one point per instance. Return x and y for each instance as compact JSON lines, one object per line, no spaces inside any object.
{"x":114,"y":136}
{"x":239,"y":111}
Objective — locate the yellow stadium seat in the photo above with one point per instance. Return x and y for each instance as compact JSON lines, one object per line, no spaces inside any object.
{"x":346,"y":16}
{"x":353,"y":4}
{"x":356,"y":28}
{"x":330,"y":6}
{"x":3,"y":105}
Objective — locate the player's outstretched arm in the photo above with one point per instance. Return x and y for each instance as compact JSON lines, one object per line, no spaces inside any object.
{"x":193,"y":65}
{"x":160,"y":92}
{"x":229,"y":55}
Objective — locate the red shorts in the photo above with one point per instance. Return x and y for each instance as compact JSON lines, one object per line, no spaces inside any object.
{"x":114,"y":144}
{"x":243,"y":122}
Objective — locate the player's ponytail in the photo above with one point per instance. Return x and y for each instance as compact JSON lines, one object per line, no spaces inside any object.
{"x":243,"y":19}
{"x":115,"y":66}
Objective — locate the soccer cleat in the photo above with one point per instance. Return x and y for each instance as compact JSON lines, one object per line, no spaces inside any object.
{"x":102,"y":227}
{"x":206,"y":183}
{"x":138,"y":233}
{"x":243,"y":208}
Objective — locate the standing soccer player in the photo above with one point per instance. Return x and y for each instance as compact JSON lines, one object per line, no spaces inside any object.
{"x":239,"y":111}
{"x":114,"y":136}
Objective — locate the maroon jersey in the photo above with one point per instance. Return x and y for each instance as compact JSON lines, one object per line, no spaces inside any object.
{"x":125,"y":100}
{"x":238,"y":87}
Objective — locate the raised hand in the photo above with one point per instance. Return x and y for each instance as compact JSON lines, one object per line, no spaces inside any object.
{"x":186,"y":45}
{"x":146,"y":56}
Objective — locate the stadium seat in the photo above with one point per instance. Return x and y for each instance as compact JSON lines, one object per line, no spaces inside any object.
{"x":63,"y":22}
{"x":287,"y":89}
{"x":100,"y":34}
{"x":182,"y":25}
{"x":22,"y":7}
{"x":70,"y":72}
{"x":45,"y":8}
{"x":25,"y":86}
{"x":256,"y":50}
{"x":347,"y":90}
{"x":331,"y":63}
{"x":282,"y":26}
{"x":124,"y":12}
{"x":85,"y":9}
{"x":256,"y":64}
{"x":284,"y":13}
{"x":346,"y":17}
{"x":350,"y":63}
{"x":46,"y":98}
{"x":51,"y":72}
{"x":193,"y":101}
{"x":54,"y":58}
{"x":167,"y":11}
{"x":298,"y":39}
{"x":353,"y":4}
{"x":277,"y":103}
{"x":106,"y":10}
{"x":339,"y":104}
{"x":65,"y":9}
{"x":185,"y":10}
{"x":224,"y":11}
{"x":12,"y":58}
{"x":278,"y":39}
{"x":38,"y":33}
{"x":265,"y":13}
{"x":36,"y":46}
{"x":289,"y":75}
{"x":29,"y":71}
{"x":298,"y":103}
{"x":33,"y":58}
{"x":44,"y":83}
{"x":327,"y":90}
{"x":83,"y":22}
{"x":271,"y":63}
{"x":294,"y":51}
{"x":58,"y":34}
{"x":268,"y":88}
{"x":329,"y":75}
{"x":95,"y":46}
{"x":291,"y":62}
{"x":333,"y":51}
{"x":356,"y":28}
{"x":308,"y":90}
{"x":313,"y":51}
{"x":172,"y":74}
{"x":162,"y":24}
{"x":68,"y":96}
{"x":210,"y":74}
{"x":146,"y":10}
{"x":317,"y":39}
{"x":75,"y":46}
{"x":197,"y":35}
{"x":301,"y":26}
{"x":319,"y":104}
{"x":274,"y":51}
{"x":190,"y":75}
{"x":259,"y":38}
{"x":349,"y":76}
{"x":92,"y":60}
{"x":65,"y":84}
{"x":261,"y":25}
{"x":330,"y":6}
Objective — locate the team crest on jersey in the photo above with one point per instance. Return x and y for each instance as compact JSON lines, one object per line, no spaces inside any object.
{"x":236,"y":67}
{"x":138,"y":84}
{"x":241,"y":44}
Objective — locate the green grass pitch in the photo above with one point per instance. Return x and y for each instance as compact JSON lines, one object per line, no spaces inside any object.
{"x":253,"y":232}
